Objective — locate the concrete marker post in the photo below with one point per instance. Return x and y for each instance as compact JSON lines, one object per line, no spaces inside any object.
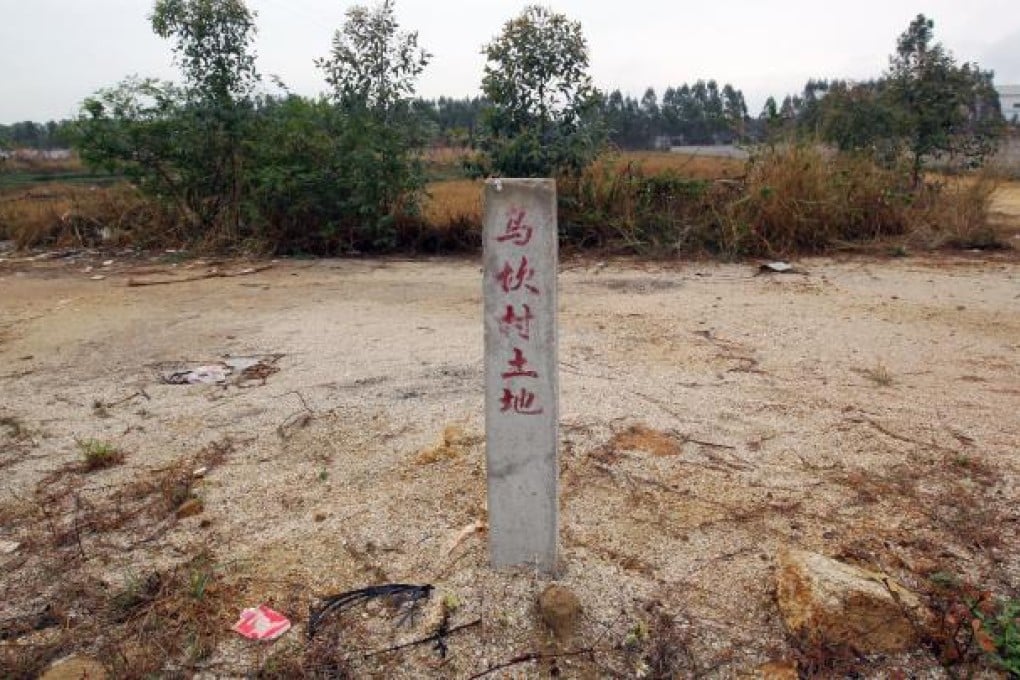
{"x":521,"y":372}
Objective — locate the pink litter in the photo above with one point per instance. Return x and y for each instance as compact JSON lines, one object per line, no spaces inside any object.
{"x":262,"y":624}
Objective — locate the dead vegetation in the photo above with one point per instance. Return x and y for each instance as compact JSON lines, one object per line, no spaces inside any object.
{"x":155,"y":619}
{"x":950,"y":495}
{"x":784,"y":200}
{"x":16,"y":440}
{"x":879,"y":375}
{"x":453,"y":443}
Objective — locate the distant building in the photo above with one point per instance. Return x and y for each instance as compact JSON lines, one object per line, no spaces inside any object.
{"x":42,"y":154}
{"x":1009,"y":98}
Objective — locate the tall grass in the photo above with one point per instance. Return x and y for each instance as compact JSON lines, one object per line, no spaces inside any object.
{"x":66,"y":215}
{"x":784,"y":200}
{"x":790,"y":199}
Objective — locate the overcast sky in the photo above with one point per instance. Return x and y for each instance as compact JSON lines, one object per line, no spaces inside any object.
{"x":53,"y":53}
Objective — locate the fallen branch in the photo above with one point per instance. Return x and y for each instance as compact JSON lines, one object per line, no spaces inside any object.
{"x":215,"y":274}
{"x":439,"y":637}
{"x":298,"y":420}
{"x":900,"y":437}
{"x":712,"y":445}
{"x":531,"y":656}
{"x":140,"y":393}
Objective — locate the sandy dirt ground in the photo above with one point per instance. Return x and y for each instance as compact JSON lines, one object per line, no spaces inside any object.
{"x":865,"y":409}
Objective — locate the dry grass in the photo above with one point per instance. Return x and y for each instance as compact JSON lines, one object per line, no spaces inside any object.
{"x":154,"y":620}
{"x":686,"y":165}
{"x":960,"y":216}
{"x":67,"y":215}
{"x":453,"y":443}
{"x":454,"y":202}
{"x":640,"y":437}
{"x":783,"y":201}
{"x":879,"y":375}
{"x":459,"y":201}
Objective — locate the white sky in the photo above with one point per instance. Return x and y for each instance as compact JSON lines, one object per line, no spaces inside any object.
{"x":54,"y":53}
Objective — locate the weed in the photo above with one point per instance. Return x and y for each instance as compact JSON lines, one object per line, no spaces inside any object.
{"x":198,"y":580}
{"x":668,"y":651}
{"x":636,"y":636}
{"x":15,"y":428}
{"x":999,"y":633}
{"x":879,"y":375}
{"x":973,"y":626}
{"x":451,"y":603}
{"x":99,"y":455}
{"x":99,"y":409}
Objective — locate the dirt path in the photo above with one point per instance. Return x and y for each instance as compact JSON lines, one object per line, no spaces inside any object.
{"x":868,"y":410}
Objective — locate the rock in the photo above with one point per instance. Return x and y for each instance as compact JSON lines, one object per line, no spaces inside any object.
{"x":829,"y":602}
{"x":559,"y":608}
{"x":320,"y":517}
{"x":777,"y":670}
{"x":190,"y":508}
{"x":75,"y":668}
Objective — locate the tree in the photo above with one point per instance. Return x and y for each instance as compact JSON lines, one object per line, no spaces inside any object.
{"x":372,"y":71}
{"x":857,"y":117}
{"x":213,"y":45}
{"x":650,"y":114}
{"x":372,"y":64}
{"x":940,"y":107}
{"x":735,"y":110}
{"x":185,"y":145}
{"x":544,"y":116}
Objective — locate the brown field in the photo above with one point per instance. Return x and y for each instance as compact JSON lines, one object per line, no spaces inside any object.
{"x":460,"y":200}
{"x":658,"y":162}
{"x":453,"y":201}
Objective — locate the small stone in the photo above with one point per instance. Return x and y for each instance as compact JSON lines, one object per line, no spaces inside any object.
{"x":75,"y":668}
{"x":200,"y":472}
{"x":9,"y":547}
{"x":560,"y":609}
{"x":190,"y":508}
{"x":831,"y":603}
{"x":320,"y":517}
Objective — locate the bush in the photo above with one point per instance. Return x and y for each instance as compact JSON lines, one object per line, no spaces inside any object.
{"x":804,"y":199}
{"x":98,"y":455}
{"x":792,"y":199}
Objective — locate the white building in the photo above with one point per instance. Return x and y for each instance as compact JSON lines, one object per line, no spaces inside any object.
{"x":1009,"y":97}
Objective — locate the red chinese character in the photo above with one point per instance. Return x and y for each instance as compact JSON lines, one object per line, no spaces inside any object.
{"x":522,"y":403}
{"x":519,"y":364}
{"x":510,"y":279}
{"x":516,"y":231}
{"x":522,"y":324}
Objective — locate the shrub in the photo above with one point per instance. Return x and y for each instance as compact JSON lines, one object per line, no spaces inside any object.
{"x":792,"y":199}
{"x":98,"y":455}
